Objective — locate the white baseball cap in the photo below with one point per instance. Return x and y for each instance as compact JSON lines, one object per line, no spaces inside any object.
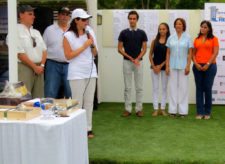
{"x":80,"y":13}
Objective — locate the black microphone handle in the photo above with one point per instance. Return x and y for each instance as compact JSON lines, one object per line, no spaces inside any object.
{"x":88,"y":36}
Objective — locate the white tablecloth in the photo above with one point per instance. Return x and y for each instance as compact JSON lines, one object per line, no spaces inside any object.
{"x":37,"y":141}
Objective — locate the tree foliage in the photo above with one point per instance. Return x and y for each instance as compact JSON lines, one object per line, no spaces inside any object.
{"x":191,"y":4}
{"x":152,"y":4}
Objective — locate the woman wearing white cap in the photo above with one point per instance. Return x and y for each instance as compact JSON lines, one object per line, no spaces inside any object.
{"x":80,"y":48}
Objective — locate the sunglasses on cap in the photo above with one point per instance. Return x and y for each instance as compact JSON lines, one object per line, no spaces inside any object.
{"x":82,"y":19}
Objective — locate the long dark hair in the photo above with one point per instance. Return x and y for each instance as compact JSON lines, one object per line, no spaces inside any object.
{"x":210,"y":32}
{"x":158,"y":34}
{"x":73,"y":27}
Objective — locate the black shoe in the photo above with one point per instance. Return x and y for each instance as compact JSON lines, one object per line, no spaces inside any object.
{"x":172,"y":115}
{"x":182,"y":116}
{"x":90,"y":134}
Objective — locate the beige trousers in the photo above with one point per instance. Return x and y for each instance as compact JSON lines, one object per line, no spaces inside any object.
{"x":34,"y":83}
{"x":131,"y":71}
{"x":83,"y":90}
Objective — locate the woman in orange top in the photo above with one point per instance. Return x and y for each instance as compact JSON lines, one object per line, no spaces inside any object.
{"x":205,"y":51}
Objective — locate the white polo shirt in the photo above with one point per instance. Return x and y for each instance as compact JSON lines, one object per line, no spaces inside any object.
{"x":53,"y":37}
{"x":25,"y":43}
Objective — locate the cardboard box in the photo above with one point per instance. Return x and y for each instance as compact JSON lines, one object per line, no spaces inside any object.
{"x":66,"y":113}
{"x":2,"y":113}
{"x":66,"y":103}
{"x":4,"y":109}
{"x":25,"y":114}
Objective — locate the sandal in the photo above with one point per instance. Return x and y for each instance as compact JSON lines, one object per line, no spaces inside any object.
{"x":207,"y":117}
{"x":163,"y":113}
{"x":155,"y":113}
{"x":199,"y":117}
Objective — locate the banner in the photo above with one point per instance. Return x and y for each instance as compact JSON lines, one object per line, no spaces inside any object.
{"x":215,"y":12}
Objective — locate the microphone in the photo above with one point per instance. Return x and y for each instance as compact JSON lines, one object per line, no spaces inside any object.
{"x":88,"y":36}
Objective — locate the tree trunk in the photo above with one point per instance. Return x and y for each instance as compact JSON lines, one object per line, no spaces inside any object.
{"x":142,"y":3}
{"x":167,"y":4}
{"x":148,"y":2}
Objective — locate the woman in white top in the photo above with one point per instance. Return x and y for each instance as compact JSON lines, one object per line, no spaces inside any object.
{"x":80,"y":48}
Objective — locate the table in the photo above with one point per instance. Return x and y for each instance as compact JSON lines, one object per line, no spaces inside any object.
{"x":62,"y":140}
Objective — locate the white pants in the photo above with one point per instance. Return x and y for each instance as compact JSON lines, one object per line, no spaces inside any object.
{"x":178,"y":92}
{"x":85,"y":97}
{"x":128,"y":70}
{"x":155,"y":89}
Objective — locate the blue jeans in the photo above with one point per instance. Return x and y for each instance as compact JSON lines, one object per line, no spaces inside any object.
{"x":55,"y":77}
{"x":204,"y":82}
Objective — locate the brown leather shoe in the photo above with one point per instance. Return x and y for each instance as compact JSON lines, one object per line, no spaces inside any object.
{"x":126,"y":114}
{"x":155,"y":113}
{"x":140,"y":114}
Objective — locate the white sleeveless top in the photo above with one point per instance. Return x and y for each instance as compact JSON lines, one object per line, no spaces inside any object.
{"x":81,"y":66}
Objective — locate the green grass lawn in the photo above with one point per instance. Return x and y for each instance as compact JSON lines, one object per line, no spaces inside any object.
{"x":156,"y":139}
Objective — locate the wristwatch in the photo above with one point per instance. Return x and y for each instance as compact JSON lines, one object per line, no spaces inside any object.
{"x":42,"y":65}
